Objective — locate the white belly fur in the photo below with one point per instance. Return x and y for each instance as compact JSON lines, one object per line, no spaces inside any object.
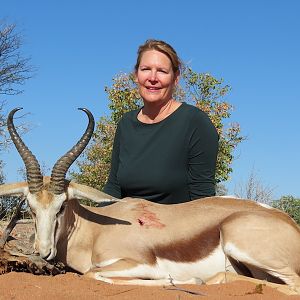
{"x":203,"y":269}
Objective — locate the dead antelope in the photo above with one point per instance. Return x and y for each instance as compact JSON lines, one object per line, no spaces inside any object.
{"x":209,"y":240}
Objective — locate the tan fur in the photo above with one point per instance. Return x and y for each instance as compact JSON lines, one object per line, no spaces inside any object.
{"x":45,"y":198}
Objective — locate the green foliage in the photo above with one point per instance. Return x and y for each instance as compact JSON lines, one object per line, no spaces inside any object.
{"x":201,"y":90}
{"x":207,"y":93}
{"x":123,"y":96}
{"x":95,"y":164}
{"x":290,"y":205}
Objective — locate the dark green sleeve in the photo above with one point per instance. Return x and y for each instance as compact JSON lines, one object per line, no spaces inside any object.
{"x":112,"y":186}
{"x":202,"y":158}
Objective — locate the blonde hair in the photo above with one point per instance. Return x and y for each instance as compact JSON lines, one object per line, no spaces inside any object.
{"x":160,"y":46}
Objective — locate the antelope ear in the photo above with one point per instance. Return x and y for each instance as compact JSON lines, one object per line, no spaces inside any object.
{"x":19,"y":188}
{"x":80,"y":191}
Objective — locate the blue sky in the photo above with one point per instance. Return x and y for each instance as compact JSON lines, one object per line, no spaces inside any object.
{"x":78,"y":46}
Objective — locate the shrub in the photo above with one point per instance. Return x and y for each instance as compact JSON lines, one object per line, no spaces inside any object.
{"x":290,"y":205}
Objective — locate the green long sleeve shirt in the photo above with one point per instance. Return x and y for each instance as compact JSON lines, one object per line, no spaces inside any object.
{"x":171,"y":161}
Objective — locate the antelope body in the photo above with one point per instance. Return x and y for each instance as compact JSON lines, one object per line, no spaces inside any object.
{"x":207,"y":240}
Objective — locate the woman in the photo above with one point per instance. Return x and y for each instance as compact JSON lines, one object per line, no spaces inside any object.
{"x":166,"y":151}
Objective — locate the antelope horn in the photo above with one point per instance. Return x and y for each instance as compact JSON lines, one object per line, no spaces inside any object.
{"x":59,"y":171}
{"x":33,"y":172}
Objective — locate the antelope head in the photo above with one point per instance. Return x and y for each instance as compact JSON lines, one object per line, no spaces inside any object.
{"x":47,"y":197}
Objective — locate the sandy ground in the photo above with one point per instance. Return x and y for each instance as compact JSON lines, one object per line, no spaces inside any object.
{"x":18,"y":285}
{"x":72,"y":286}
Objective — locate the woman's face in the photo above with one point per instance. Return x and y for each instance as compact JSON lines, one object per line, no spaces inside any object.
{"x":155,"y":77}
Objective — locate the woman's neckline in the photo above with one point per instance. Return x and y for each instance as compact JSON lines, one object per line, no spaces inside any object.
{"x":161,"y":121}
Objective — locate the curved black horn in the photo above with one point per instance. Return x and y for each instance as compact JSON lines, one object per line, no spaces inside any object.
{"x":34,"y":175}
{"x":59,"y":171}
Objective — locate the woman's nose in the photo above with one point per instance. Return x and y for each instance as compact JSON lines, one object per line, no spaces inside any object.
{"x":153,"y":76}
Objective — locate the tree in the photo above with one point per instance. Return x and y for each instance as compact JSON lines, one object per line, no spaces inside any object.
{"x":290,"y":205}
{"x":221,"y":189}
{"x":255,"y":189}
{"x":207,"y":93}
{"x":15,"y":70}
{"x":95,"y":163}
{"x":202,"y":90}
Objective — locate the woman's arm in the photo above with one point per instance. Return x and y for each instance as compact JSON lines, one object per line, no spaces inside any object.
{"x":203,"y":150}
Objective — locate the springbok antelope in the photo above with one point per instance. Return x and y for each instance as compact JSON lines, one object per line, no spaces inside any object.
{"x":210,"y":240}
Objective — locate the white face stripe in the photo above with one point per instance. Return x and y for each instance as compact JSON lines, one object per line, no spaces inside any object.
{"x":45,"y":221}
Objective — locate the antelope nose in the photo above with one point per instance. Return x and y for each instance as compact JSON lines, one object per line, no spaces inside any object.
{"x":46,"y":257}
{"x":44,"y":249}
{"x":44,"y":254}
